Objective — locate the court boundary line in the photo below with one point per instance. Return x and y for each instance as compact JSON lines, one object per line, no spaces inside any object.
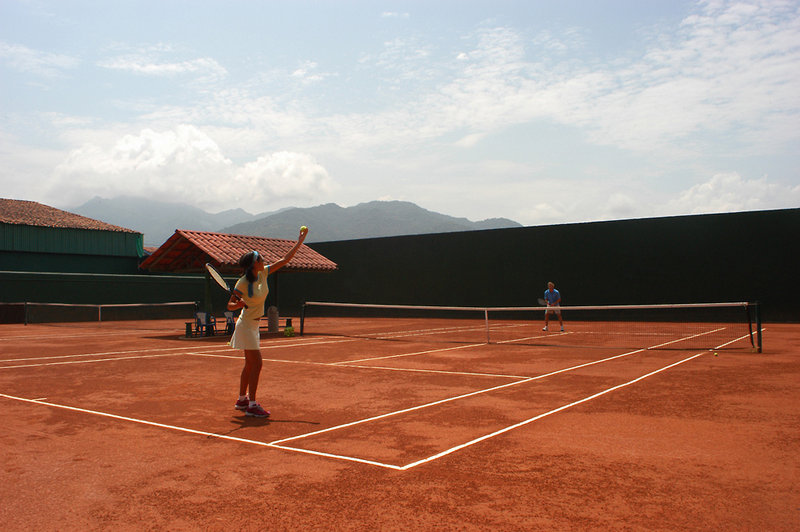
{"x":400,"y":355}
{"x":546,"y":414}
{"x":188,"y":430}
{"x":139,"y":357}
{"x":562,"y":408}
{"x":455,"y":398}
{"x":106,"y":353}
{"x":510,"y":427}
{"x":188,"y":348}
{"x":478,"y":392}
{"x":278,"y":443}
{"x":385,"y":368}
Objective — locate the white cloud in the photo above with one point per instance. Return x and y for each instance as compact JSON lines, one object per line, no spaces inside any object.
{"x":307,"y":73}
{"x":542,"y":201}
{"x":282,"y":175}
{"x":569,"y":202}
{"x":36,"y":62}
{"x":728,"y":69}
{"x":719,"y":91}
{"x":731,"y":70}
{"x":185,"y":165}
{"x":394,"y":14}
{"x":469,"y":141}
{"x":141,"y":65}
{"x":621,"y":205}
{"x":158,"y":60}
{"x":730,"y":192}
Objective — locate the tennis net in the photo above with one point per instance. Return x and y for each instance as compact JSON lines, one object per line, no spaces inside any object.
{"x":710,"y":326}
{"x":34,"y":312}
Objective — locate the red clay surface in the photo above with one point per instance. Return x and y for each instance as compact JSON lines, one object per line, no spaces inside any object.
{"x":131,"y":427}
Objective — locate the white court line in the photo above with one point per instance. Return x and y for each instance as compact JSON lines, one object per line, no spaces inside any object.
{"x":556,"y":335}
{"x":564,"y":407}
{"x":622,"y":333}
{"x":432,"y":331}
{"x":302,"y":343}
{"x":438,"y":330}
{"x":438,"y":371}
{"x":382,"y":368}
{"x":138,"y":357}
{"x":540,"y":416}
{"x":348,"y":362}
{"x":277,"y":360}
{"x":478,"y":392}
{"x":192,"y":431}
{"x":425,"y":332}
{"x":107,"y":353}
{"x":343,"y":362}
{"x":276,"y":444}
{"x":449,"y":399}
{"x":188,"y":348}
{"x":85,"y":335}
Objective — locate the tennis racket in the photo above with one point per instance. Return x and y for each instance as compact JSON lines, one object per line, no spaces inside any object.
{"x":541,"y":302}
{"x":219,"y":280}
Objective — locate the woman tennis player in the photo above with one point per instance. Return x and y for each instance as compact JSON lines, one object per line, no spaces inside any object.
{"x":251,"y":289}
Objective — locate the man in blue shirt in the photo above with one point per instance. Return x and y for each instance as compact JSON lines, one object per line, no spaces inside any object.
{"x":553,"y":299}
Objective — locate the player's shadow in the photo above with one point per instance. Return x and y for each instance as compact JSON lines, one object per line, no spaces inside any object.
{"x":242,"y":422}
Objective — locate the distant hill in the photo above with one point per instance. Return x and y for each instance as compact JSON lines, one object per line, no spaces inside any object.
{"x":366,"y":220}
{"x":158,"y":220}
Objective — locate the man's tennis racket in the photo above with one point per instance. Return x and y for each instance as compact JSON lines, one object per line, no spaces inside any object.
{"x":219,"y":280}
{"x":541,"y":302}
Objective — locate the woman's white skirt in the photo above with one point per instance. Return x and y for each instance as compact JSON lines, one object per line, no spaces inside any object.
{"x":246,"y":335}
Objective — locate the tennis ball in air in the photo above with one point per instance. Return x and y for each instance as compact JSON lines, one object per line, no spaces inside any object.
{"x":716,"y":354}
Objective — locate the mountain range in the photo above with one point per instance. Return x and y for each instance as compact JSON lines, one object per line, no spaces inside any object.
{"x":158,"y":220}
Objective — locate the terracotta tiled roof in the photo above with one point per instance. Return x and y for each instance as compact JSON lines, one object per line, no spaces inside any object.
{"x":22,"y":212}
{"x":188,"y":251}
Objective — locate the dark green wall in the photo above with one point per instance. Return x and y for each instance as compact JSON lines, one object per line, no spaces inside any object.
{"x":60,"y":262}
{"x":688,"y":259}
{"x":37,"y":239}
{"x":92,"y":288}
{"x":59,"y":249}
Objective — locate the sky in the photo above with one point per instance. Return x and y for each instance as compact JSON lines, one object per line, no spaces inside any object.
{"x":543,"y":112}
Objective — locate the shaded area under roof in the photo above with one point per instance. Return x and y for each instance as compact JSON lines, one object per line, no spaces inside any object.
{"x":188,"y":252}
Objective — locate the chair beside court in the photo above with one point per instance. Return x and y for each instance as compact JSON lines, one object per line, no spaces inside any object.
{"x":206,"y":324}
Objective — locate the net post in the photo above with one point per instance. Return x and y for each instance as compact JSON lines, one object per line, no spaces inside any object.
{"x":486,"y":318}
{"x":302,"y":317}
{"x":25,"y":312}
{"x":758,"y":325}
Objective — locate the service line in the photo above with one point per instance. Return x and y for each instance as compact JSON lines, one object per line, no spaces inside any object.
{"x":191,"y":431}
{"x":278,"y":444}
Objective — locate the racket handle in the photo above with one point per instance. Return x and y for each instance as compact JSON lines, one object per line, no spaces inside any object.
{"x":238,"y":298}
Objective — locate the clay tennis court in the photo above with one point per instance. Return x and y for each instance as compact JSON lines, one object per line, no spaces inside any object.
{"x":131,"y":426}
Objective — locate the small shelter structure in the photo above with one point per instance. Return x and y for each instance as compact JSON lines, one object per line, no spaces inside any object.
{"x":188,"y":251}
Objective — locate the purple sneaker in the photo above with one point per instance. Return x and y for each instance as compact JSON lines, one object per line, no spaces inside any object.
{"x":256,"y":411}
{"x":242,"y":404}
